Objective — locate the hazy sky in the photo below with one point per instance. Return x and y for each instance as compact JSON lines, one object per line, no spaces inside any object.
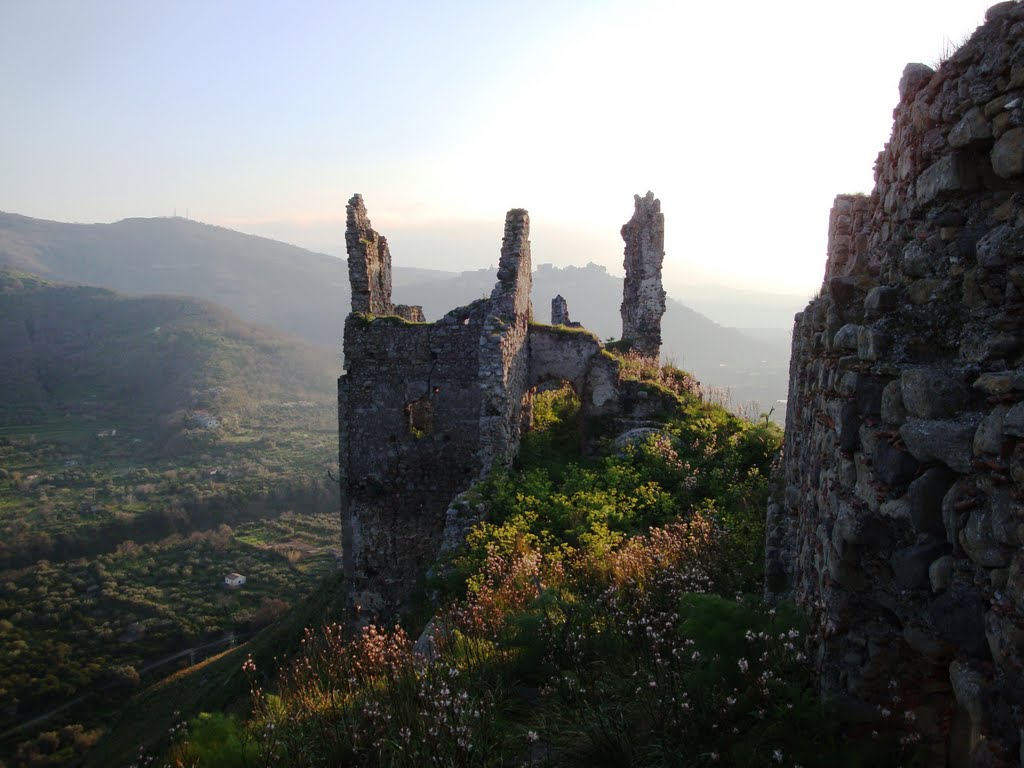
{"x":745,"y":118}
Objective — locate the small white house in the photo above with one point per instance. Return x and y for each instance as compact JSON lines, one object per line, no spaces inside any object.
{"x":234,"y":580}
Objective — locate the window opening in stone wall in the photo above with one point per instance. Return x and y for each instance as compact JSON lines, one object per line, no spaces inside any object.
{"x":551,"y":423}
{"x":420,"y":416}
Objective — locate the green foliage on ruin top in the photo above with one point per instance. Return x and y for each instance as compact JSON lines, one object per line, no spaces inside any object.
{"x":567,"y":330}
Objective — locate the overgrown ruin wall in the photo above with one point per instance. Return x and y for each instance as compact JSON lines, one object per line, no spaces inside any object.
{"x":425,"y":409}
{"x":901,"y":523}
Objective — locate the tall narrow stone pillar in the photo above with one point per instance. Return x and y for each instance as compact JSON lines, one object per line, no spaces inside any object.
{"x":643,"y":298}
{"x":369,"y":262}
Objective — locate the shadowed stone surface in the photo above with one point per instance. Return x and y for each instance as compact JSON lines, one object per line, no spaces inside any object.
{"x":923,"y":297}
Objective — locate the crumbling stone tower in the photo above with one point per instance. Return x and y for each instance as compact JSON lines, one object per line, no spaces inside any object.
{"x":643,"y":298}
{"x":369,"y":266}
{"x":426,"y":409}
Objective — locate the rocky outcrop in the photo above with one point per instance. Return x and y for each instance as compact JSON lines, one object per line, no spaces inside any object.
{"x":901,"y":523}
{"x":643,"y":298}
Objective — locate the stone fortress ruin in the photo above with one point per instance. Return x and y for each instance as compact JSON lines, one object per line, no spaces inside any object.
{"x":426,"y":409}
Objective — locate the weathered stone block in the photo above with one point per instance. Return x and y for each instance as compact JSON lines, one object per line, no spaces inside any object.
{"x":872,"y":344}
{"x":980,"y":542}
{"x":910,"y":564}
{"x":989,"y":437}
{"x":1013,"y":422}
{"x":999,"y":245}
{"x":973,"y":127}
{"x":1005,"y":641}
{"x":925,"y":495}
{"x":1006,"y":516}
{"x":915,"y":76}
{"x":983,"y":347}
{"x":959,"y":616}
{"x":933,"y":392}
{"x":893,"y":466}
{"x":846,"y":337}
{"x":915,"y":261}
{"x":952,"y":173}
{"x":847,"y":297}
{"x":881,"y":299}
{"x":869,"y":395}
{"x":848,"y":426}
{"x":925,"y":291}
{"x":999,"y":10}
{"x":896,"y":509}
{"x":893,"y":411}
{"x":940,"y":573}
{"x":1008,"y":154}
{"x":1000,"y":383}
{"x":949,"y":441}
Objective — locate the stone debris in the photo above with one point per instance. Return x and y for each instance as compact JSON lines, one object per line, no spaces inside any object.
{"x":906,"y":417}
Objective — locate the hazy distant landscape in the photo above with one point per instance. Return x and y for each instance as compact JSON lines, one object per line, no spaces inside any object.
{"x":306,"y":294}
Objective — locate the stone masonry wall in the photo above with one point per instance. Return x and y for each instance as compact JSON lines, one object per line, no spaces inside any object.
{"x":369,"y":261}
{"x":901,"y":521}
{"x":504,"y":355}
{"x":643,"y":298}
{"x":398,"y":476}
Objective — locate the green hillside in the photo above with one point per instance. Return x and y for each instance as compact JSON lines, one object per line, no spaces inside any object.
{"x":148,"y":447}
{"x":83,"y":354}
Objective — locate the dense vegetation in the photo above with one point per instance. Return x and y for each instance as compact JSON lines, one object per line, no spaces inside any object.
{"x":605,"y":613}
{"x":148,"y":447}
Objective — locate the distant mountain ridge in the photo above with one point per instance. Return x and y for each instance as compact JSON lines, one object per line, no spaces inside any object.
{"x":307,"y":294}
{"x":262,"y":281}
{"x":89,"y":353}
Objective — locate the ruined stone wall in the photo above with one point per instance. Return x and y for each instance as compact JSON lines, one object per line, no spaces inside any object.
{"x":559,"y":311}
{"x":643,"y":298}
{"x":504,"y":358}
{"x":901,"y":521}
{"x":369,"y":261}
{"x":425,"y":409}
{"x":409,"y":410}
